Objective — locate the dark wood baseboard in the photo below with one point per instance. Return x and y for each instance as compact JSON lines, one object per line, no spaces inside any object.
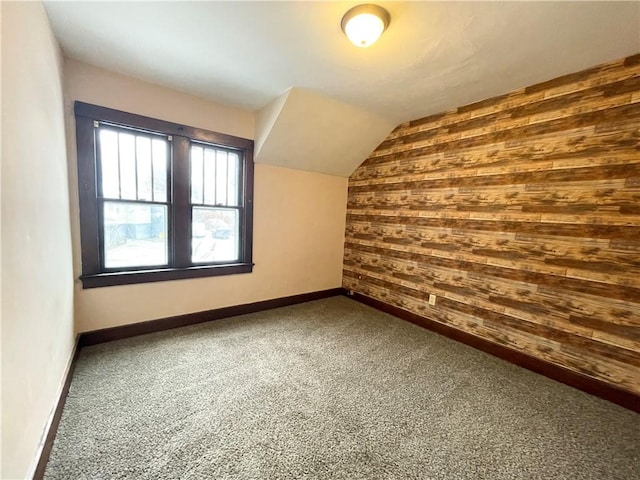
{"x":125,"y":331}
{"x":582,"y":382}
{"x":577,"y":380}
{"x":57,"y":414}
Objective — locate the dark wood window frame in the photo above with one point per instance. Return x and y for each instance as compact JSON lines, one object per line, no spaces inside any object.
{"x":179,"y":226}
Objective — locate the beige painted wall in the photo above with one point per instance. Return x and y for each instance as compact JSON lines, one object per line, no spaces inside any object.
{"x":299,"y":217}
{"x":37,"y":279}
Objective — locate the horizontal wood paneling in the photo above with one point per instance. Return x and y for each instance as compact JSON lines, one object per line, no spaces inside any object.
{"x":576,"y":379}
{"x":522,"y":214}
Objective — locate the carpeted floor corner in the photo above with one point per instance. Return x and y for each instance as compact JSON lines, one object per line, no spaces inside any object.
{"x":330,"y":389}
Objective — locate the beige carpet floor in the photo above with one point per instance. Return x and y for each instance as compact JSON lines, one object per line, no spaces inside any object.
{"x":330,"y":389}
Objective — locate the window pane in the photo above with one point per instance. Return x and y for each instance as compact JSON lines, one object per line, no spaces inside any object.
{"x":143,"y":153}
{"x":159,"y":151}
{"x":109,"y":169}
{"x":232,"y":176}
{"x":221,"y":177}
{"x":196,"y":174}
{"x":214,"y":176}
{"x":127,"y":166}
{"x":214,"y":235}
{"x":209,"y":176}
{"x":135,"y":235}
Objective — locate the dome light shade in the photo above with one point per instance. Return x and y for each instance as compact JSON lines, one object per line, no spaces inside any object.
{"x":364,"y":24}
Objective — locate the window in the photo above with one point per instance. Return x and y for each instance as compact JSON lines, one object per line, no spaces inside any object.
{"x":160,"y":201}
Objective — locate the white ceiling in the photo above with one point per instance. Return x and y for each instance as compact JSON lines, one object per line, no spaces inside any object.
{"x":434,"y":56}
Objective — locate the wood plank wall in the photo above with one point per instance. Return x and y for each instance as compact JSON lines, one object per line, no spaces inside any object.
{"x":522,"y":214}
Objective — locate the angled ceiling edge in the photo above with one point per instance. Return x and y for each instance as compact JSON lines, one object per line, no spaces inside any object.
{"x":305,"y":130}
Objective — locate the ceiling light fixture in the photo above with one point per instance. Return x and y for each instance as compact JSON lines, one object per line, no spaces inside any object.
{"x":364,"y":24}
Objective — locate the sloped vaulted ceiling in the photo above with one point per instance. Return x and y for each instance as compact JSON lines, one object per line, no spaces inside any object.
{"x":434,"y":56}
{"x":305,"y":130}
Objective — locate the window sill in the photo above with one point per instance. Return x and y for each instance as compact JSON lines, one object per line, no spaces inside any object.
{"x":162,"y":275}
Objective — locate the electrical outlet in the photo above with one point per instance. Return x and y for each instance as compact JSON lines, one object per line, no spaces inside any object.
{"x":432,"y":299}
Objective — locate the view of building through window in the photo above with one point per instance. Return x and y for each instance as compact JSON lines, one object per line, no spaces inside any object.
{"x":133,"y":174}
{"x":133,"y":169}
{"x":161,"y":201}
{"x":214,"y":198}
